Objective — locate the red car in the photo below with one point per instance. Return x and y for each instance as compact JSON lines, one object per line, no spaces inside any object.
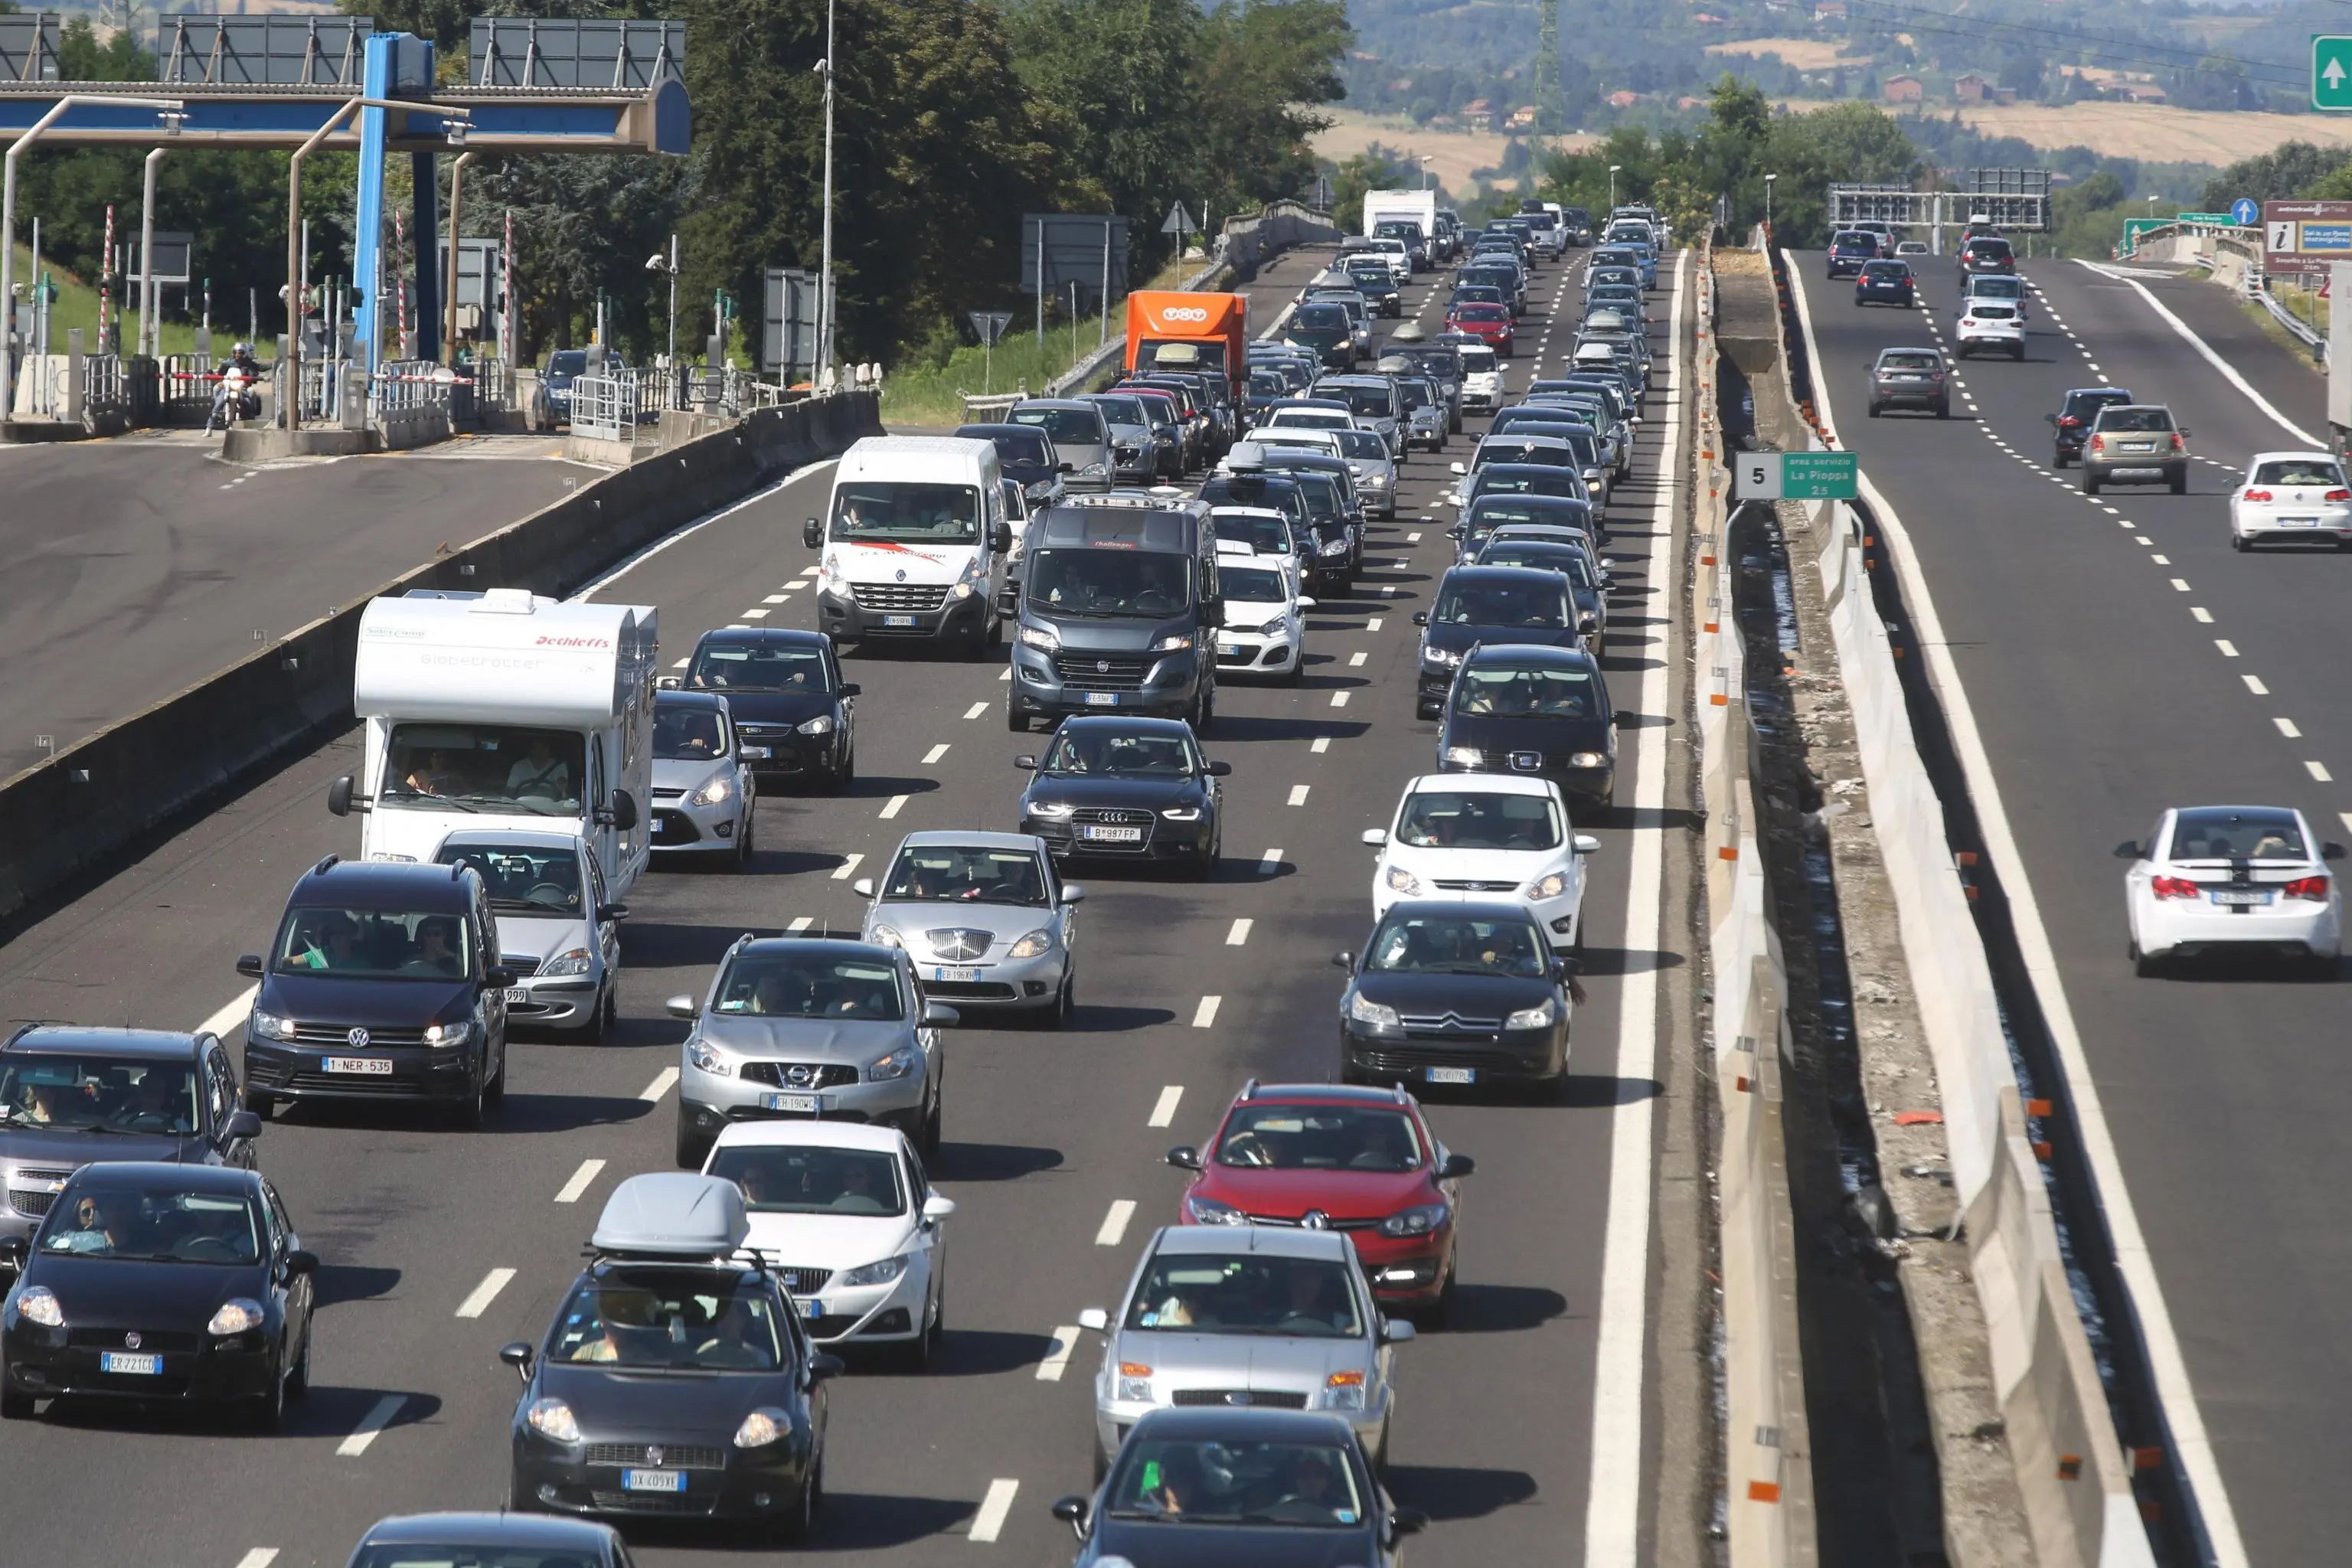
{"x":1335,"y":1157}
{"x":1490,"y":324}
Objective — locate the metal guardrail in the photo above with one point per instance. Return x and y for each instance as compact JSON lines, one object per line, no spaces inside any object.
{"x":605,"y":408}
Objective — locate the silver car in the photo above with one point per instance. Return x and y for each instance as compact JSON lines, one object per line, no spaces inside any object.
{"x":1253,"y":1316}
{"x":705,"y":798}
{"x":1134,"y":451}
{"x":794,"y":1027}
{"x":559,"y":933}
{"x":984,"y":920}
{"x":1374,"y":468}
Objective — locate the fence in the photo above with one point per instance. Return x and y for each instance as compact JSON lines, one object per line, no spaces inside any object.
{"x":605,"y":408}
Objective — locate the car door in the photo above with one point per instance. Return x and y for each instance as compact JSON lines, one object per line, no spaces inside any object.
{"x":1065,"y":916}
{"x":220,"y":1103}
{"x":297,"y":1291}
{"x":493,"y":1003}
{"x":608,"y":932}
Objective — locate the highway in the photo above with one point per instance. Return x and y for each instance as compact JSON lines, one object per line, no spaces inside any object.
{"x":1053,"y":1140}
{"x":131,"y":567}
{"x":2118,"y":659}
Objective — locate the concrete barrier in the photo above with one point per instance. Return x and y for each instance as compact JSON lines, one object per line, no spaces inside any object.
{"x":78,"y":810}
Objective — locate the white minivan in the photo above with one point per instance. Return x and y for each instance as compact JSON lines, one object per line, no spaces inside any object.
{"x":915,"y":541}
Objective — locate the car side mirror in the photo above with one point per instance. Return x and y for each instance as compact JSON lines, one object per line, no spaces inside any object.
{"x":518,"y":1355}
{"x":1184,"y":1157}
{"x":812,"y":533}
{"x":2127,"y":850}
{"x":940,"y":1016}
{"x":1420,"y":617}
{"x":1066,"y":468}
{"x":1585,"y":844}
{"x":1456,"y":531}
{"x":611,"y":912}
{"x":1396,"y":1331}
{"x":2185,"y":431}
{"x":249,"y":965}
{"x":1376,"y":836}
{"x":623,"y":810}
{"x":1025,"y":762}
{"x":301,"y":1261}
{"x":1000,"y":538}
{"x":339,"y":797}
{"x":1094,"y":1320}
{"x":1408,"y":1521}
{"x":240,"y":1124}
{"x":823,"y":1367}
{"x":1306,"y":604}
{"x":851,"y":689}
{"x":1570,"y":964}
{"x":1072,"y":1511}
{"x":681,"y":1007}
{"x":1221,"y":770}
{"x":2050,"y":419}
{"x":863,"y":886}
{"x":497,"y":979}
{"x":1456,"y":467}
{"x":938,"y":1207}
{"x":2331,"y":852}
{"x":1456,"y":1165}
{"x":1071,"y":893}
{"x":669,"y":683}
{"x":1343,"y":959}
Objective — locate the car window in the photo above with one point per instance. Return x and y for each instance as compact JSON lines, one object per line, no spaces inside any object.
{"x":687,"y":732}
{"x":375,"y":943}
{"x":951,"y":873}
{"x":147,"y":1220}
{"x":1539,"y":691}
{"x":98,"y":1092}
{"x":1478,"y":819}
{"x":1246,"y":1293}
{"x":769,"y":982}
{"x":1499,"y":604}
{"x":2156,"y":419}
{"x":757,"y":665}
{"x":1908,"y":361}
{"x":2298,"y":471}
{"x":2207,"y":834}
{"x":1261,"y":1137}
{"x":783,"y":1179}
{"x":535,"y":881}
{"x":1072,"y":426}
{"x":1420,"y":941}
{"x":1253,"y":585}
{"x":1102,"y":753}
{"x":1220,"y":1484}
{"x":662,"y":1321}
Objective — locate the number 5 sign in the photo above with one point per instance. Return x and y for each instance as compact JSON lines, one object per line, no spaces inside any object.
{"x":1756,"y":476}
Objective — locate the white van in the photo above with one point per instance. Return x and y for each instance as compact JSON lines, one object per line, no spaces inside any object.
{"x":502,"y":709}
{"x":915,"y":543}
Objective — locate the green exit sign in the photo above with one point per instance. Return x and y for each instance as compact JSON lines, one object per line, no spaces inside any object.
{"x":1819,"y":476}
{"x":2331,"y":72}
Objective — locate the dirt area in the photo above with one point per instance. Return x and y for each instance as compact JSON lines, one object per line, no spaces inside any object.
{"x":1454,"y":154}
{"x":2155,"y":131}
{"x":1799,"y":54}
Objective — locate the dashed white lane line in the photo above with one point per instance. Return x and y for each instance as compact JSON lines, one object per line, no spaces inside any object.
{"x":1339,"y":700}
{"x":775,"y":598}
{"x":1298,"y":794}
{"x":2345,"y":818}
{"x":975,"y":711}
{"x":1321,"y":745}
{"x":2320,"y":772}
{"x":2255,"y":684}
{"x":2180,"y":584}
{"x":231,"y":1014}
{"x":1205,"y":1014}
{"x":1355,"y":660}
{"x":1372,"y":624}
{"x":848,"y":867}
{"x":1163,"y":1110}
{"x":2229,"y":649}
{"x":1412,"y":539}
{"x":681,"y":664}
{"x":799,"y":924}
{"x":2202,"y":615}
{"x":1270,"y":862}
{"x":1057,"y":1355}
{"x":663,"y":1080}
{"x":1114,"y":1226}
{"x":758,"y":615}
{"x":1240,"y":931}
{"x":936,"y":752}
{"x":259,"y":1557}
{"x":1004,"y":674}
{"x":990,"y":1520}
{"x":892,"y":806}
{"x":2161,"y":560}
{"x":371,"y":1426}
{"x":478,"y":1302}
{"x":581,"y":1179}
{"x":2287,"y":727}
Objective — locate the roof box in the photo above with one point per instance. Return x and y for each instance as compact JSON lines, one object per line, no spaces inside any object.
{"x":673,"y":1215}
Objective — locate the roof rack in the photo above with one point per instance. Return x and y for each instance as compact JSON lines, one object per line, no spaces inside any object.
{"x":1249,"y":1090}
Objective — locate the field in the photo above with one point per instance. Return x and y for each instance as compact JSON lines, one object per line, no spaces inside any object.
{"x":2152,"y":132}
{"x":1453,"y":154}
{"x":1798,"y":54}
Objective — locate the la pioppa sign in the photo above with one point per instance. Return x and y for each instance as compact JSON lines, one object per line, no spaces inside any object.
{"x":2303,"y":236}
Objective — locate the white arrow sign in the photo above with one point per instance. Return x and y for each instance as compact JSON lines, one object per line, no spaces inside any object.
{"x":2334,"y":75}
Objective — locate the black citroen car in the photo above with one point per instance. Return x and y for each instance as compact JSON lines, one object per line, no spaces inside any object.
{"x":161,"y":1284}
{"x":1460,"y":993}
{"x":1127,"y":788}
{"x":1528,"y":708}
{"x":383,"y":983}
{"x":676,"y":1381}
{"x":1479,"y":604}
{"x":794,"y":716}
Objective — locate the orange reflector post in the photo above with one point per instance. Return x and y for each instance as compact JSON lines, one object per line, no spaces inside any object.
{"x":1763,"y":1491}
{"x":2070,"y":1466}
{"x":2037,"y":1107}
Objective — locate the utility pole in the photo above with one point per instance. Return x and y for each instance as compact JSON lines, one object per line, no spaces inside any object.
{"x":825,"y":349}
{"x":1546,"y":83}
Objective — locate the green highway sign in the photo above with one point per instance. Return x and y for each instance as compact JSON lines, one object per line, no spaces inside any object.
{"x":2331,"y":72}
{"x":1794,"y":476}
{"x":2207,"y":217}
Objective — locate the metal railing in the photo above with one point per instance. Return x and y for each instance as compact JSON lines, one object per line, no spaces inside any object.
{"x":606,"y":407}
{"x":103,"y":391}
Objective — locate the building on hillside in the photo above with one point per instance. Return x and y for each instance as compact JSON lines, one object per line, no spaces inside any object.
{"x":1687,"y":101}
{"x":1621,"y":98}
{"x":1522,"y":117}
{"x":1829,"y":10}
{"x":1971,"y":88}
{"x":2143,"y":92}
{"x":1903,"y":89}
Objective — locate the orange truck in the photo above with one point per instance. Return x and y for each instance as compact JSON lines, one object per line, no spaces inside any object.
{"x":1174,"y":330}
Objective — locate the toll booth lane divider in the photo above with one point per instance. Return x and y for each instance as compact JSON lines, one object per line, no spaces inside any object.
{"x":85,"y":807}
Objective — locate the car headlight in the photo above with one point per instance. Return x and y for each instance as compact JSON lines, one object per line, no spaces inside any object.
{"x":880,"y":1273}
{"x":1209,"y":1211}
{"x":1134,"y":1383}
{"x":1419,"y":1220}
{"x":1333,"y":547}
{"x":237,"y":1315}
{"x":446,"y":1035}
{"x":889,"y":937}
{"x":1041,"y":637}
{"x":1549,"y":887}
{"x":1401,"y":881}
{"x":1344,"y":1391}
{"x":39,"y":1305}
{"x":1586,"y":759}
{"x":1440,"y":656}
{"x":576,"y":961}
{"x":1465,"y":756}
{"x":904,"y":1062}
{"x":1035,"y":943}
{"x":761,"y":1427}
{"x":1593,"y":486}
{"x":1535,"y":1017}
{"x":1092,"y":468}
{"x":1372,"y":1014}
{"x":1174,"y":642}
{"x":722,"y":786}
{"x":819,"y":725}
{"x":705,"y":1058}
{"x":270,"y":1026}
{"x":1183,"y":812}
{"x":553,"y":1418}
{"x":1054,"y":810}
{"x":386,"y":858}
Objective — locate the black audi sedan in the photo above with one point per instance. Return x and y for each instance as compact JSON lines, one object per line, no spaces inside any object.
{"x":676,"y":1381}
{"x":159,"y":1284}
{"x":1272,"y":1488}
{"x":1479,"y":604}
{"x":489,"y":1541}
{"x":794,"y":716}
{"x":1127,"y":788}
{"x":1528,"y":707}
{"x":1460,"y":993}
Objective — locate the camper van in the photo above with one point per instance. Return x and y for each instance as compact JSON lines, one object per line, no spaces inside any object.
{"x":915,"y":542}
{"x":504,"y":709}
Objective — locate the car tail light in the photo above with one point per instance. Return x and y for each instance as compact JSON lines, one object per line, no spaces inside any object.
{"x":2175,"y":440}
{"x":2260,"y":495}
{"x":2338,"y":495}
{"x":2312,"y":888}
{"x":2068,"y":422}
{"x":2173,"y":888}
{"x":2098,"y":443}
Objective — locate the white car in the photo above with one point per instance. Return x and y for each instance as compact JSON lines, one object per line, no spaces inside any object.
{"x":2214,"y":877}
{"x":1482,"y":378}
{"x":1484,"y":838}
{"x":704,"y":795}
{"x":1265,"y":616}
{"x":1988,"y":326}
{"x":1287,"y":419}
{"x":843,"y":1215}
{"x":2000,"y":288}
{"x":2291,"y":496}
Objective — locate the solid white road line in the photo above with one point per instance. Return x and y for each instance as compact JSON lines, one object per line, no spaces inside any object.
{"x":663,"y":1080}
{"x":232,"y":1015}
{"x":975,"y":711}
{"x":1240,"y":931}
{"x":475,"y":1305}
{"x":579,"y":1182}
{"x":936,"y":752}
{"x":1613,"y":1499}
{"x":2228,"y":374}
{"x":990,"y":1519}
{"x":848,"y":867}
{"x":1058,"y":1355}
{"x":1206,"y":1015}
{"x":1163,"y":1109}
{"x":1298,"y":794}
{"x":658,"y":545}
{"x":370,"y":1426}
{"x":1114,"y":1225}
{"x":891,"y":807}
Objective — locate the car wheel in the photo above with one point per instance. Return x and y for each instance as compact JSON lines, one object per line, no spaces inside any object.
{"x":261,"y":1105}
{"x":2180,"y":483}
{"x":1874,"y":408}
{"x":2238,"y":543}
{"x":692,"y":1147}
{"x":18,"y":1406}
{"x":798,"y":1524}
{"x":2143,"y":964}
{"x":1425,"y":709}
{"x":297,"y":1379}
{"x":928,"y":1138}
{"x":268,"y":1414}
{"x":2090,"y":481}
{"x":1056,"y":1015}
{"x":743,"y":843}
{"x":1014,"y":720}
{"x":2058,"y":456}
{"x":608,"y":1013}
{"x":520,"y":1499}
{"x":2018,"y":353}
{"x":1202,"y":866}
{"x":466,"y":1115}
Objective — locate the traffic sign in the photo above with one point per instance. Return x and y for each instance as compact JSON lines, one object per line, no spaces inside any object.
{"x":2331,"y":72}
{"x":990,"y":325}
{"x":2305,"y":235}
{"x":1179,"y":222}
{"x":1795,"y":476}
{"x":2245,"y":211}
{"x":2209,"y":217}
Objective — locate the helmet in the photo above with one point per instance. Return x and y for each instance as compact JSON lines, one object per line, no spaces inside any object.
{"x":241,"y":350}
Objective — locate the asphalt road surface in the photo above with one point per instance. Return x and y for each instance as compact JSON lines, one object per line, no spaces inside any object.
{"x":1185,"y":991}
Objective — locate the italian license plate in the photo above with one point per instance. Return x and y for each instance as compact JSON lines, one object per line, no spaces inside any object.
{"x":1110,"y":834}
{"x":806,"y":1104}
{"x":1102,"y":699}
{"x":517,"y":994}
{"x":897,"y":620}
{"x":1229,"y":651}
{"x":2139,"y":446}
{"x":136,"y":1366}
{"x":2298,"y":523}
{"x":2240,"y":896}
{"x":809,"y":1307}
{"x":366,"y":1067}
{"x":759,"y":754}
{"x":1452,"y":1075}
{"x":954,"y":974}
{"x":653,"y":1480}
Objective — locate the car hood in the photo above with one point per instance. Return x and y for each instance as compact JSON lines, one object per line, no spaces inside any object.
{"x":858,"y":1040}
{"x":1220,"y":1545}
{"x":321,"y":999}
{"x":833,"y":1242}
{"x":610,"y":1404}
{"x":1241,"y":1360}
{"x":59,"y":1148}
{"x":1489,"y":732}
{"x":1133,"y":434}
{"x":774,"y":708}
{"x":1456,"y":637}
{"x":691,"y":773}
{"x":530,"y":936}
{"x":1092,"y":791}
{"x":1004,"y":924}
{"x":112,"y":1293}
{"x":1471,"y":995}
{"x":1351,"y":1194}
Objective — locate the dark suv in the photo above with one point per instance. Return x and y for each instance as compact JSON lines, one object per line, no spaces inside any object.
{"x":1885,"y":282}
{"x":2072,"y":423}
{"x":1987,"y":254}
{"x":1910,"y":378}
{"x":1850,"y":252}
{"x":383,"y":983}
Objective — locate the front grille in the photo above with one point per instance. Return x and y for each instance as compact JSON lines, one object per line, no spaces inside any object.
{"x":1473,"y":887}
{"x":340,"y":1035}
{"x":814,"y":1075}
{"x":652,"y":1502}
{"x":959,"y":944}
{"x":370,"y":1084}
{"x":920,"y":598}
{"x":32,"y":1206}
{"x":1451,"y":1023}
{"x":799,"y":1281}
{"x":674,"y":1455}
{"x":674,"y":827}
{"x":1112,"y":817}
{"x":112,"y":1340}
{"x":1099,"y":672}
{"x":1292,"y":1222}
{"x":1408,"y":1060}
{"x":1257,"y":1398}
{"x":971,"y":990}
{"x":517,"y":967}
{"x":661,"y":794}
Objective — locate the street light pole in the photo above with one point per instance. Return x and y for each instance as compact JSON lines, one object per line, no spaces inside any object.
{"x":151,"y":341}
{"x":1425,"y":161}
{"x":673,"y":301}
{"x":824,"y":283}
{"x":1768,"y":179}
{"x":1612,"y":185}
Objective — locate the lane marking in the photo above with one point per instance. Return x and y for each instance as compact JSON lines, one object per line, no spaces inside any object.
{"x":1298,"y":794}
{"x":2255,"y":684}
{"x":259,"y":1557}
{"x":1339,"y":700}
{"x":848,"y":867}
{"x":775,"y":598}
{"x":975,"y":711}
{"x":2319,"y":772}
{"x":475,"y":1305}
{"x":1321,"y":745}
{"x":696,"y":526}
{"x":2203,"y":616}
{"x":990,"y":1519}
{"x":1412,"y":539}
{"x":653,"y":1093}
{"x":1004,"y":674}
{"x":231,"y":1014}
{"x":1114,"y":1225}
{"x":758,"y":615}
{"x":2229,"y":649}
{"x":1373,"y":624}
{"x":1163,"y":1110}
{"x":581,"y":1179}
{"x":799,"y":924}
{"x":1356,"y":660}
{"x":1205,"y":1014}
{"x":936,"y":752}
{"x":2161,"y":560}
{"x":2226,"y":1539}
{"x":1240,"y":932}
{"x":891,"y":807}
{"x":1270,"y":862}
{"x":371,"y":1427}
{"x":1057,"y":1355}
{"x":2180,"y":584}
{"x":2287,"y":727}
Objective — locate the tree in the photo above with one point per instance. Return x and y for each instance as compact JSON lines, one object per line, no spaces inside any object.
{"x":2286,"y":170}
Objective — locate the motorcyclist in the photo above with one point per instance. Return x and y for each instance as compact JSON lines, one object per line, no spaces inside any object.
{"x":238,"y":396}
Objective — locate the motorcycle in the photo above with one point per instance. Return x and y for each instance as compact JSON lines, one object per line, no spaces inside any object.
{"x":239,"y":396}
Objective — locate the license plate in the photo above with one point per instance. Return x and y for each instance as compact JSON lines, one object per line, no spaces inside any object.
{"x":1111,"y":835}
{"x":759,"y":754}
{"x":810,"y":1308}
{"x":653,"y":1480}
{"x":2139,"y":446}
{"x":368,"y":1066}
{"x":1452,"y":1075}
{"x":954,"y":974}
{"x":1229,"y":651}
{"x":1102,"y":699}
{"x":2298,"y":523}
{"x":805,"y":1104}
{"x":517,"y":994}
{"x":137,"y":1365}
{"x":897,"y":620}
{"x":2239,"y":896}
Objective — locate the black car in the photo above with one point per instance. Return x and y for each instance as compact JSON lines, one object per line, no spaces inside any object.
{"x":489,"y":1541}
{"x":1849,"y":252}
{"x":1127,"y":788}
{"x":1533,"y":708}
{"x":161,"y":1284}
{"x":1476,"y":605}
{"x":1025,"y":454}
{"x":1453,"y":992}
{"x":1494,"y":509}
{"x":794,"y":716}
{"x":384,"y":983}
{"x":1592,"y":608}
{"x":676,"y":1381}
{"x":1266,"y":387}
{"x":1527,"y":480}
{"x":2072,"y":423}
{"x":1379,"y":288}
{"x":1985,"y":253}
{"x":1884,"y":283}
{"x":72,"y":1093}
{"x":555,"y":377}
{"x":1272,"y":1488}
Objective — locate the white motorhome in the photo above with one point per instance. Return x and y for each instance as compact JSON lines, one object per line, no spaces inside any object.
{"x":914,"y":542}
{"x":504,"y":709}
{"x":1418,"y":208}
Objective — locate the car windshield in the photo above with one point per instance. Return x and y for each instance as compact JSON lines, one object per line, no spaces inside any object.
{"x":1246,"y":1293}
{"x":1413,"y":394}
{"x":472,"y":768}
{"x":1109,"y":754}
{"x":152,"y":1221}
{"x":1991,"y":310}
{"x":1474,"y":311}
{"x":99,"y":1094}
{"x":2299,"y":471}
{"x":1475,"y":819}
{"x":1425,"y":942}
{"x":1520,"y":478}
{"x":915,"y":512}
{"x":1531,"y":691}
{"x":1024,"y":449}
{"x":1269,"y":491}
{"x":1541,"y":555}
{"x":452,"y":1555}
{"x":2209,"y":835}
{"x":779,"y":1178}
{"x":666,"y":1321}
{"x":1490,"y":603}
{"x":1121,"y":410}
{"x":1266,"y":535}
{"x":1856,"y":244}
{"x":687,"y":734}
{"x":529,"y":881}
{"x":1908,"y":362}
{"x":1312,"y":418}
{"x":1110,"y":581}
{"x":1999,"y":288}
{"x":2156,"y":419}
{"x":1320,"y":318}
{"x":769,"y":983}
{"x":1550,"y":453}
{"x":1252,"y":586}
{"x":568,"y":361}
{"x":1267,"y":383}
{"x":1990,"y":249}
{"x":952,"y":873}
{"x":1894,"y":270}
{"x":2086,"y":405}
{"x":757,"y":665}
{"x":375,"y":944}
{"x":1322,"y":491}
{"x":1301,"y":1485}
{"x":1476,"y":361}
{"x":1375,"y":400}
{"x":1489,"y":513}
